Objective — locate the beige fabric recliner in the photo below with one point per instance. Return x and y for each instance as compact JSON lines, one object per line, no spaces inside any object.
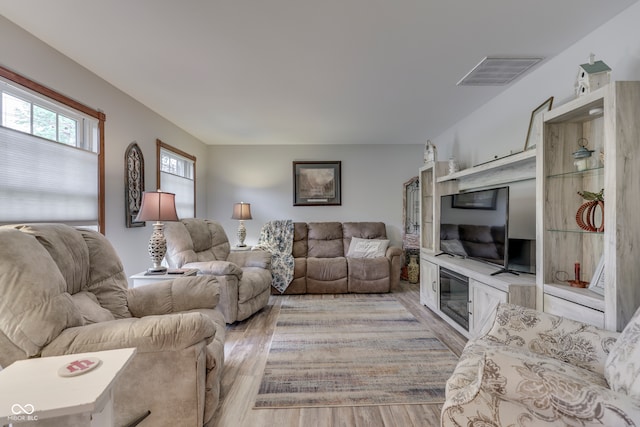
{"x":244,"y":276}
{"x":63,"y":291}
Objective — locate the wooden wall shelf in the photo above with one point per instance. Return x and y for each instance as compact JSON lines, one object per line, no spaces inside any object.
{"x":516,"y":167}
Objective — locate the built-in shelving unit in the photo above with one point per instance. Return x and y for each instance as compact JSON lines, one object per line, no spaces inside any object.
{"x":607,"y":118}
{"x":516,"y":167}
{"x":484,"y":289}
{"x":430,"y":193}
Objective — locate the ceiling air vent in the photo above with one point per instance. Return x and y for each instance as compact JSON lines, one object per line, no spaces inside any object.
{"x":497,"y":71}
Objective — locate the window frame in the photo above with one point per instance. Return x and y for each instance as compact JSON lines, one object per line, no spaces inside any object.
{"x":73,"y":105}
{"x":164,"y":146}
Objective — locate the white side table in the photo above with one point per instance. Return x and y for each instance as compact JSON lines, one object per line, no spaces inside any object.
{"x":32,"y":389}
{"x":142,"y":279}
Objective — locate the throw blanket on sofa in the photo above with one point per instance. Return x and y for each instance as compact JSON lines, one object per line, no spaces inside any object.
{"x":276,"y":237}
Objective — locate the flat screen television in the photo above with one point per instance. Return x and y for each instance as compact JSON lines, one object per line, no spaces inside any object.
{"x":498,"y":226}
{"x":475,"y":225}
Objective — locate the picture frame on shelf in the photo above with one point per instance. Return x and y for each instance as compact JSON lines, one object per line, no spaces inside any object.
{"x":597,"y":281}
{"x":535,"y":124}
{"x":317,"y":183}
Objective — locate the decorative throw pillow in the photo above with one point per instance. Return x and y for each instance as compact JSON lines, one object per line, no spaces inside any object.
{"x":622,"y":368}
{"x":367,"y":248}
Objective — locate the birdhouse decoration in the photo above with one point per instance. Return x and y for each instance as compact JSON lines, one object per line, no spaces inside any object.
{"x":591,"y":76}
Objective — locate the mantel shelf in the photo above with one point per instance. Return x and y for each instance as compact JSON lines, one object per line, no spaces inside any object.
{"x":519,"y":166}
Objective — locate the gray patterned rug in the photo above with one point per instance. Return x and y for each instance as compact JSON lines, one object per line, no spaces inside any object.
{"x":352,"y":351}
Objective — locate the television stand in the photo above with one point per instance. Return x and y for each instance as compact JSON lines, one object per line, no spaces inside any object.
{"x":486,"y":288}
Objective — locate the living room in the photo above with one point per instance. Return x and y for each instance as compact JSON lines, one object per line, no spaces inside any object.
{"x":262,"y":173}
{"x":372,"y":174}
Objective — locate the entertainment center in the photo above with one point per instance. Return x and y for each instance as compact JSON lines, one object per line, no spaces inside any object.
{"x":464,"y":267}
{"x":461,"y":285}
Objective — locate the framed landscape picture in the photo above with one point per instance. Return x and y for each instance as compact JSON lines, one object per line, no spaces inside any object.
{"x":317,"y":183}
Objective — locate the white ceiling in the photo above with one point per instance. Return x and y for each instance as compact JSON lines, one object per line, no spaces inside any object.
{"x":305,"y":71}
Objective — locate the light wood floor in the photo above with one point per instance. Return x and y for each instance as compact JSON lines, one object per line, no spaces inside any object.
{"x":246,"y":349}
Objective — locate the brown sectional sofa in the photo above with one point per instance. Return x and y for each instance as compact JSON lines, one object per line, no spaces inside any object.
{"x":321,"y":265}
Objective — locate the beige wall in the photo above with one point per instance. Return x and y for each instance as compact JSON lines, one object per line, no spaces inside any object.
{"x":372,"y":178}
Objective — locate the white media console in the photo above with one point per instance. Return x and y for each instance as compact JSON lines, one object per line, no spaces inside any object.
{"x":446,"y":296}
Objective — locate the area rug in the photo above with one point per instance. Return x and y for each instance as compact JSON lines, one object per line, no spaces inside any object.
{"x":352,"y":351}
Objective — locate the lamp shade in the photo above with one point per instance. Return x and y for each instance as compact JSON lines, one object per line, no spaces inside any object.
{"x":157,"y":206}
{"x":241,"y":211}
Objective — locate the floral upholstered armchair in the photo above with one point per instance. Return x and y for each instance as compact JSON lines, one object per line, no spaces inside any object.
{"x":532,"y":368}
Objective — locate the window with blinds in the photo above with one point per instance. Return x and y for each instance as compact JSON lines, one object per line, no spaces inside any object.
{"x":177,"y":174}
{"x":50,"y":158}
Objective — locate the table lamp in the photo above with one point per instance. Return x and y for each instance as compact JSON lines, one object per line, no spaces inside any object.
{"x":241,"y":211}
{"x":157,"y":206}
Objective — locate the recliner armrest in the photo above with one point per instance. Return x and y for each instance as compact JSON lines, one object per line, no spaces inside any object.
{"x":253,"y":258}
{"x":216,"y":268}
{"x":393,"y":251}
{"x":180,"y":294}
{"x":147,"y":334}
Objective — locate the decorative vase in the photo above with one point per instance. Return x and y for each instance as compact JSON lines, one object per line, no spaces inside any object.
{"x":586,"y":216}
{"x":413,"y":270}
{"x":453,"y":166}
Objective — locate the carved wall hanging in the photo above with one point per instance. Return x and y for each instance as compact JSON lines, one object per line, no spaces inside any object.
{"x":133,"y":184}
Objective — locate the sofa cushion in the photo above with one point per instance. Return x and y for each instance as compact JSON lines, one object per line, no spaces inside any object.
{"x":367,"y":248}
{"x":39,"y":308}
{"x":325,"y":240}
{"x":195,"y":240}
{"x":88,"y":305}
{"x":368,"y":275}
{"x":622,"y":368}
{"x":67,"y":249}
{"x":364,"y":230}
{"x":107,"y":280}
{"x":300,"y":246}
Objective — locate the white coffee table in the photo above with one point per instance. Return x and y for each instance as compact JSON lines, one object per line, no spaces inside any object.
{"x":32,"y":389}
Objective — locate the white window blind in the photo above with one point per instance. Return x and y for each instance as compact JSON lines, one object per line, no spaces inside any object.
{"x":49,"y":161}
{"x":177,"y":176}
{"x":46,"y":181}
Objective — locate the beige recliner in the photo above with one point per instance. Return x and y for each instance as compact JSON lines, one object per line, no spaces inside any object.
{"x":63,"y":291}
{"x":244,"y":276}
